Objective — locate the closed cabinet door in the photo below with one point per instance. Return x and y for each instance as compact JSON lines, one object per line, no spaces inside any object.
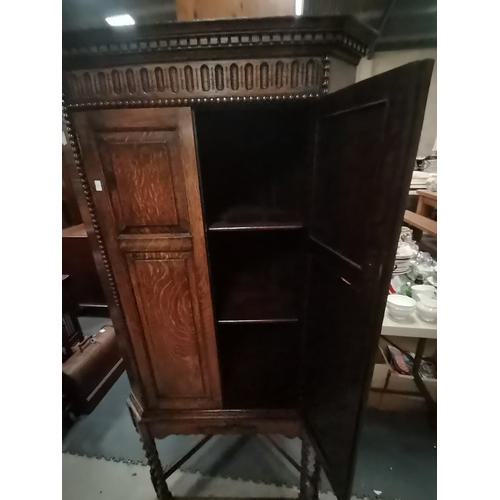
{"x":141,"y":165}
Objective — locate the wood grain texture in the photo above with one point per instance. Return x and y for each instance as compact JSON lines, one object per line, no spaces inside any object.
{"x":132,"y":161}
{"x":179,"y":242}
{"x":166,"y":297}
{"x":72,"y":151}
{"x":216,"y":421}
{"x":161,"y":286}
{"x":200,"y":270}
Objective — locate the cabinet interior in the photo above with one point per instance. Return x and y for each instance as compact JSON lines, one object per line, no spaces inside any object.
{"x":254,"y":176}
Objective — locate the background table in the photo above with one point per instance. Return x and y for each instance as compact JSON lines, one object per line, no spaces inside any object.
{"x":412,"y":327}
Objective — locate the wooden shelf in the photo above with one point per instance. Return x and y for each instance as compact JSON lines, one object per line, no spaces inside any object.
{"x":254,"y":226}
{"x":254,"y":321}
{"x":257,"y":304}
{"x":256,"y":219}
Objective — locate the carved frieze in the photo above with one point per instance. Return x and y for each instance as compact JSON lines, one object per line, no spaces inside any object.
{"x":225,"y":78}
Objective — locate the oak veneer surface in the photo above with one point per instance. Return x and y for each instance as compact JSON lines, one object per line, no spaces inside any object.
{"x":150,"y":213}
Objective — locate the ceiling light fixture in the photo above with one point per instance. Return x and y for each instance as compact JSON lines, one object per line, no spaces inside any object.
{"x":299,"y":7}
{"x":122,"y":20}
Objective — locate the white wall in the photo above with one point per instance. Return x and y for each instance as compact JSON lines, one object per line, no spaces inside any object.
{"x":385,"y":61}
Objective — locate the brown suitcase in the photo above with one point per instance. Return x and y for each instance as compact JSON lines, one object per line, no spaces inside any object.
{"x":92,"y":369}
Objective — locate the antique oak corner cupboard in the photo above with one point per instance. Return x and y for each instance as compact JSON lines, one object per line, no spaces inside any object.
{"x":244,"y":199}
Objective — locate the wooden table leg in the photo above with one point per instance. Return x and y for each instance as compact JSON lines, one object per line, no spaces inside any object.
{"x":309,"y":471}
{"x":315,"y":479}
{"x":425,"y":207}
{"x":420,"y":206}
{"x":156,"y":470}
{"x":155,"y":467}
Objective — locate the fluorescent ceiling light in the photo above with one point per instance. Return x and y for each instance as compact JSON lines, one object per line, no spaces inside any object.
{"x":299,"y":7}
{"x":123,"y":20}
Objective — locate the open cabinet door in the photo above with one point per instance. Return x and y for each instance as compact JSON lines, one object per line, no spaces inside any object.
{"x":366,"y":139}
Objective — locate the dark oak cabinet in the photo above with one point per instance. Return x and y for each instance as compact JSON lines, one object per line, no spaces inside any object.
{"x":248,"y":237}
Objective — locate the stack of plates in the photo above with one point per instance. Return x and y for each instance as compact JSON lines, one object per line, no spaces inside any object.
{"x":404,"y":253}
{"x":401,"y":265}
{"x":419,"y":180}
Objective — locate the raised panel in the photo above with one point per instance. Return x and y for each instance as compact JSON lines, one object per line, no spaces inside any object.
{"x":167,"y":307}
{"x":148,"y":206}
{"x":140,"y":167}
{"x":354,"y":178}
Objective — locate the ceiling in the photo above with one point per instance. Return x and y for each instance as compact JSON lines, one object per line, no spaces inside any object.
{"x":402,"y":23}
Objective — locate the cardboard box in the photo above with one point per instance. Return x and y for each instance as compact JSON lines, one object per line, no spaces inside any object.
{"x":384,"y":377}
{"x":380,"y":371}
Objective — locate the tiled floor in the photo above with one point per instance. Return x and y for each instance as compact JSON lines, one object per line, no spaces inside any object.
{"x":397,"y":453}
{"x":91,"y":478}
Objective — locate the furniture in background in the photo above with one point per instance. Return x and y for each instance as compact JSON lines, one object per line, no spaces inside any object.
{"x":427,"y":202}
{"x":413,"y":335}
{"x":246,"y":271}
{"x":77,"y":259}
{"x":70,"y":211}
{"x":78,"y":262}
{"x":93,"y":367}
{"x":91,"y":364}
{"x":421,"y":219}
{"x":71,"y":330}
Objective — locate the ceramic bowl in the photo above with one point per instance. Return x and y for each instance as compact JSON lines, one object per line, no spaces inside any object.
{"x":400,"y":306}
{"x":427,"y":309}
{"x":427,"y":290}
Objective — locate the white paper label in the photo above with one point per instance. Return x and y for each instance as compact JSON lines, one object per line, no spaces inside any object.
{"x":98,"y":185}
{"x":64,"y":139}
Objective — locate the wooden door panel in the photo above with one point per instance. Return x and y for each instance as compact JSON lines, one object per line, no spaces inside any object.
{"x":149,"y":210}
{"x":366,"y":139}
{"x":347,"y":169}
{"x":140,"y":168}
{"x":167,"y":302}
